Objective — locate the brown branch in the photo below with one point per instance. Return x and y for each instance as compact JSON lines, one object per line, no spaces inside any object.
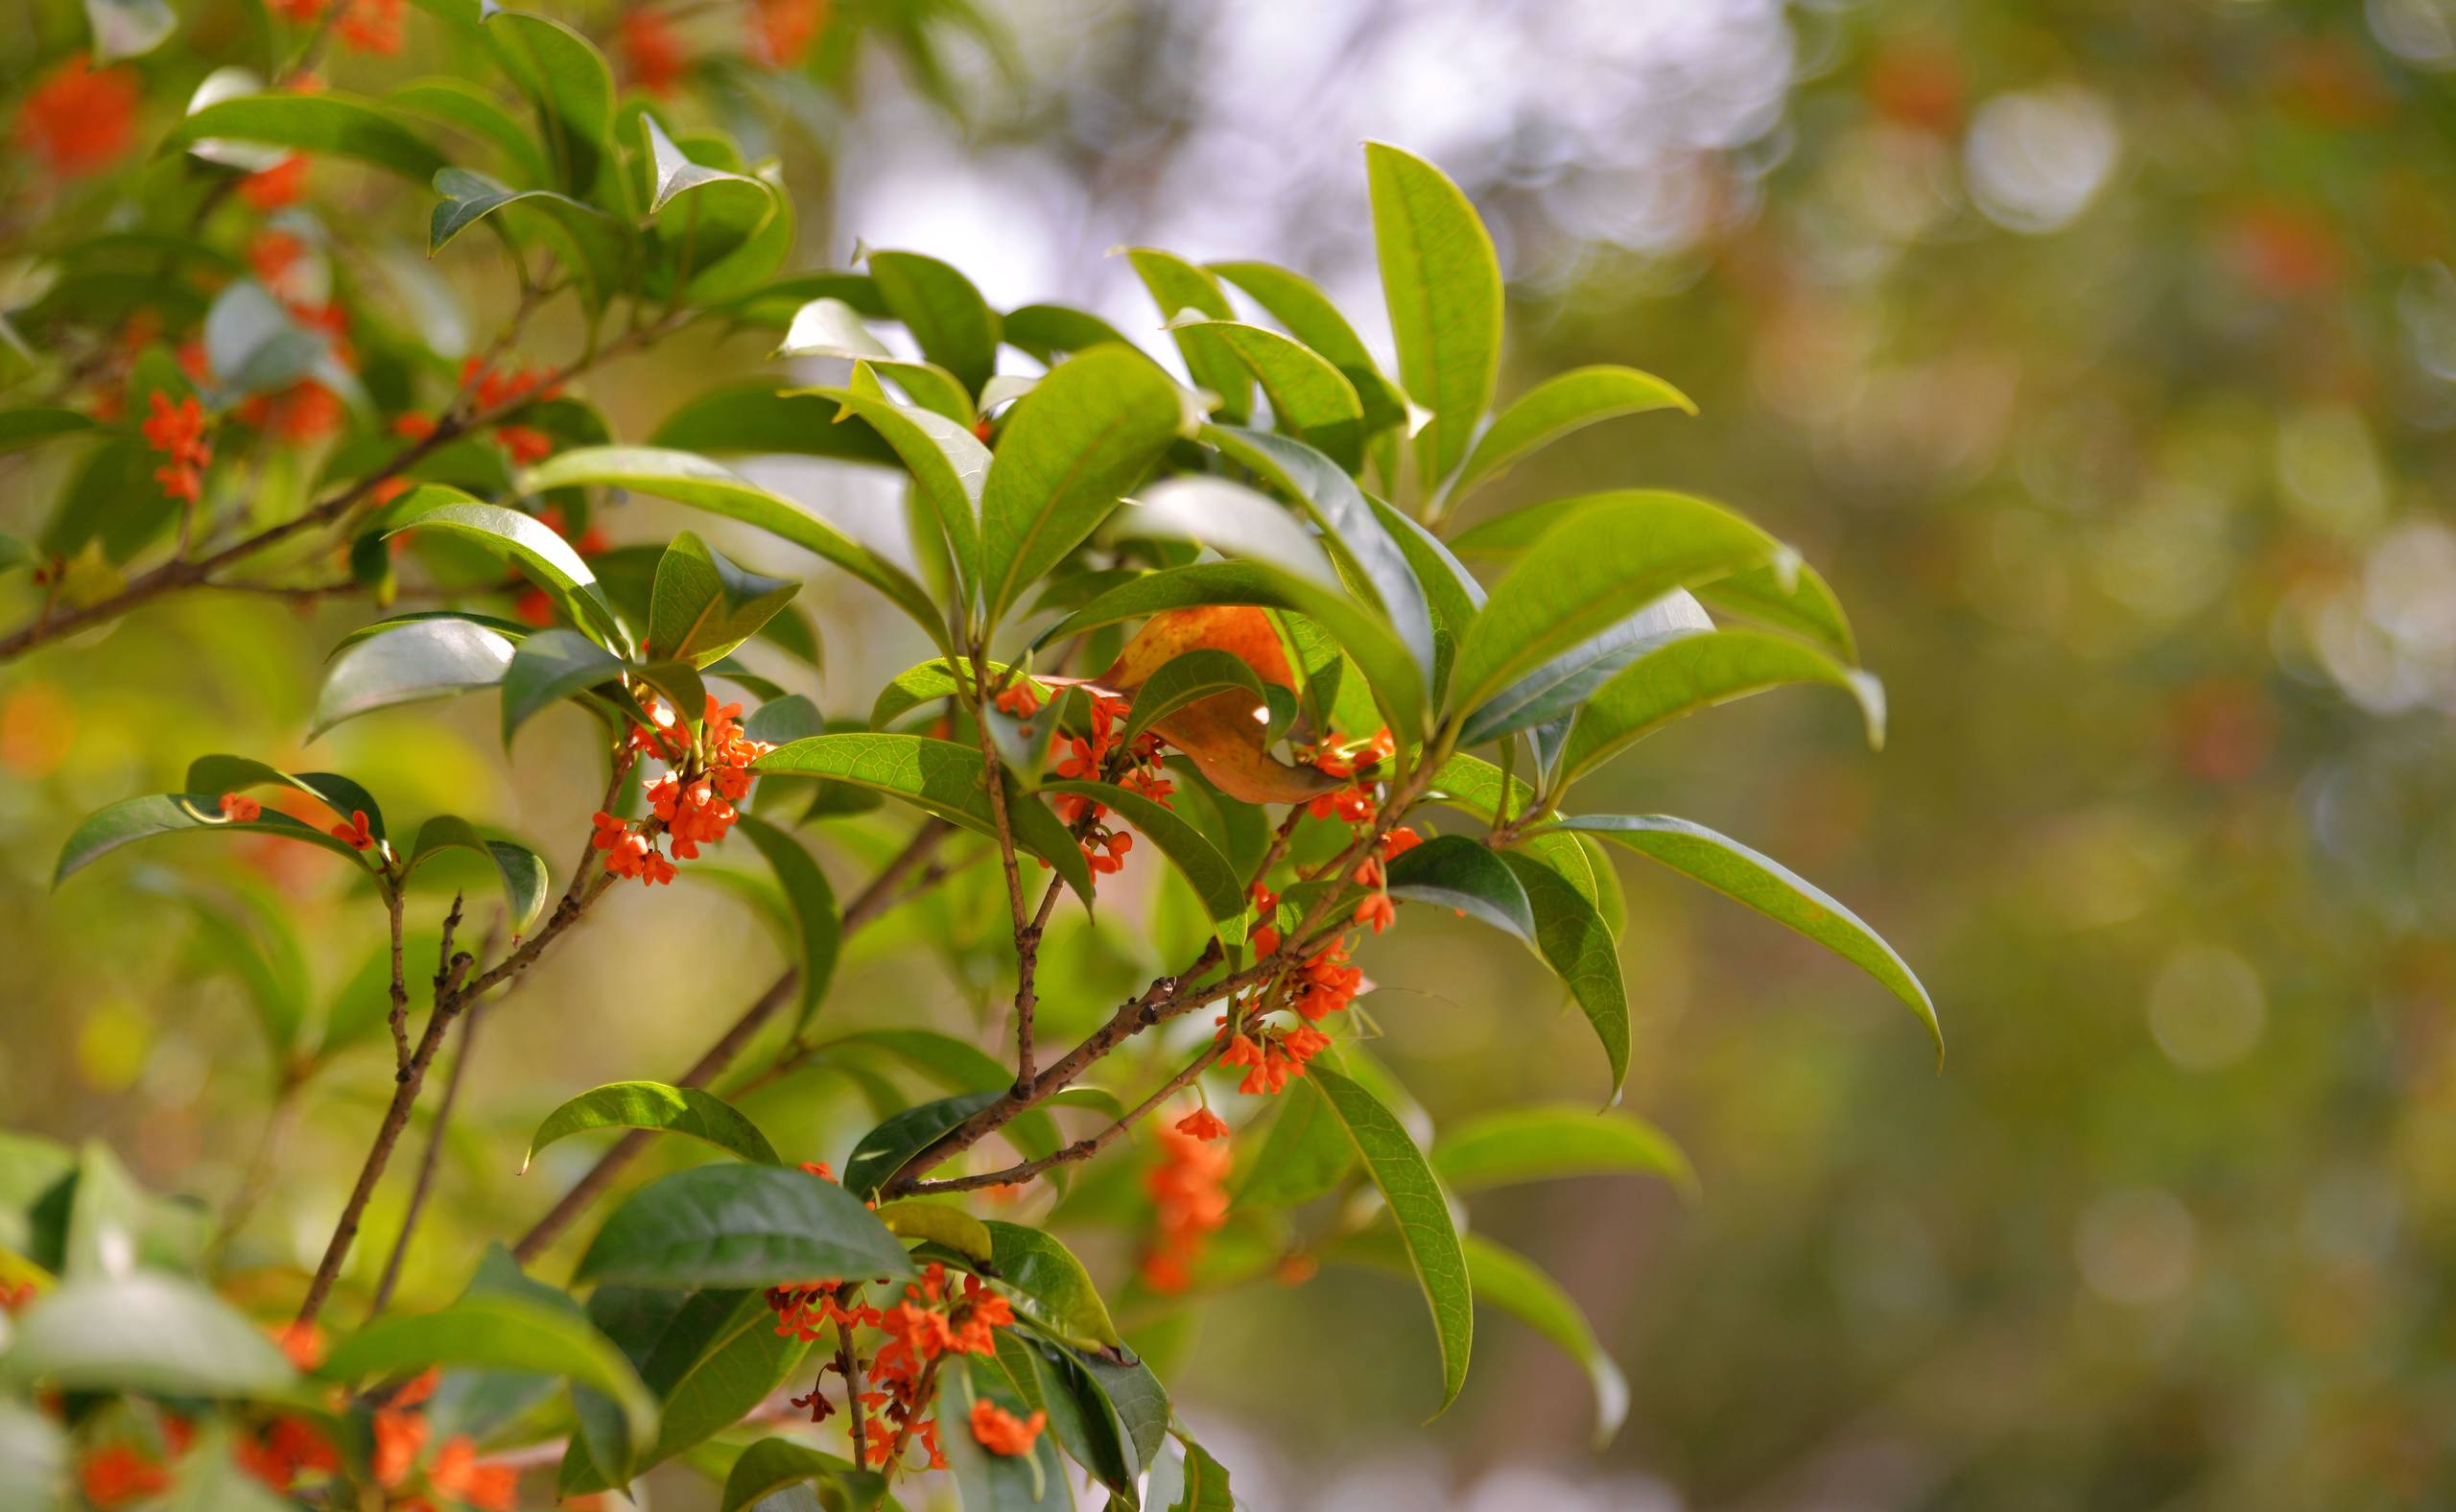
{"x":449,"y":970}
{"x":1028,"y":929}
{"x":848,"y":1365}
{"x":1082,"y":1148}
{"x":872,"y":901}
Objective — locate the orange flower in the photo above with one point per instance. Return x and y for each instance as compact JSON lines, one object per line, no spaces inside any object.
{"x":1378,"y":910}
{"x":269,"y":189}
{"x":15,"y":1296}
{"x":458,"y":1474}
{"x":523,"y":444}
{"x":76,"y":120}
{"x":1190,"y":1192}
{"x":239,"y":807}
{"x":654,"y":52}
{"x":355,"y":834}
{"x":781,"y":32}
{"x":1001,"y":1432}
{"x":399,"y":1435}
{"x":178,"y":432}
{"x":373,"y":26}
{"x":1204,"y":1124}
{"x":1018,"y":699}
{"x":117,"y":1473}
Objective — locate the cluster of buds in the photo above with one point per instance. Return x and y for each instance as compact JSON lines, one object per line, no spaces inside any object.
{"x":1189,"y":1188}
{"x":693,"y":802}
{"x":1105,"y":756}
{"x":178,"y":432}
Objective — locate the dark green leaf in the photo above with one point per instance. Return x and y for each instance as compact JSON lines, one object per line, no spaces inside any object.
{"x":1205,"y":869}
{"x":340,"y":125}
{"x":522,"y":870}
{"x":542,"y":556}
{"x":948,"y":464}
{"x":773,"y":1464}
{"x":1049,"y":1286}
{"x":739,"y":1226}
{"x":883,"y":1151}
{"x":109,"y":828}
{"x":1558,"y":688}
{"x":1184,"y":679}
{"x":705,"y":603}
{"x":1453,"y":871}
{"x":30,"y":425}
{"x":755,"y":417}
{"x":1305,"y":1156}
{"x":548,"y":667}
{"x":428,"y":659}
{"x":1575,"y":942}
{"x":946,"y":314}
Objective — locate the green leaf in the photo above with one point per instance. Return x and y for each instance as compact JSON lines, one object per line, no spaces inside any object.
{"x":1079,"y":1415}
{"x":568,"y":81}
{"x":1442,"y":283}
{"x":498,"y":1331}
{"x":1203,"y":1482}
{"x":1417,"y":1206}
{"x":548,"y":667}
{"x":473,"y":110}
{"x":1188,"y":678}
{"x":1597,"y":565}
{"x":711,"y":1356}
{"x":723,"y":1225}
{"x":1369,"y":549}
{"x":522,"y":870}
{"x":1047,"y":330}
{"x":941,"y":776}
{"x":954,"y":326}
{"x":939,"y":391}
{"x":754,"y":417}
{"x":1788,"y":596}
{"x":695,"y":480}
{"x":773,"y":1464}
{"x":705,"y":603}
{"x":144,"y":1331}
{"x":34,"y":1458}
{"x":428,"y":659}
{"x":948,"y":464}
{"x":338,"y":125}
{"x":817,"y":928}
{"x":115,"y":1226}
{"x":1309,"y":397}
{"x":1071,"y":449}
{"x":221,"y":774}
{"x":1049,"y":1286}
{"x":32,"y":425}
{"x":829,"y":328}
{"x":1305,"y":1156}
{"x":987,"y":1483}
{"x":1575,"y":943}
{"x":942,"y":1224}
{"x":1559,"y":405}
{"x":127,"y":28}
{"x":1699,"y":672}
{"x":1772,"y":890}
{"x":1213,"y":880}
{"x":700,"y":1114}
{"x":1397,"y":682}
{"x":1561,"y":686}
{"x":1298,"y":303}
{"x":542,"y":556}
{"x":590,"y":243}
{"x":713,"y":225}
{"x":1453,"y":871}
{"x":1177,"y":287}
{"x":1234,"y":521}
{"x":1545,"y":1144}
{"x":883,"y":1151}
{"x":928,"y":682}
{"x":109,"y":828}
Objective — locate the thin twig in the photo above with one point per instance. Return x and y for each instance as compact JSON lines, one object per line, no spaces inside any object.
{"x":1027,"y":929}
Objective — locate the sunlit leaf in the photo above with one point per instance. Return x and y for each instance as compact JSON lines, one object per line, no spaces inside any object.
{"x":1442,"y":283}
{"x":339,"y":125}
{"x":1699,"y":672}
{"x":654,"y":1106}
{"x":1574,"y":941}
{"x":1559,"y":405}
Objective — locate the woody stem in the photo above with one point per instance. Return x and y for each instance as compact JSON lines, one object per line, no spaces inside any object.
{"x":1028,"y":928}
{"x":1091,"y":1144}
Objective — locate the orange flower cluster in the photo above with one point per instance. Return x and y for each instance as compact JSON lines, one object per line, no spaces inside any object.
{"x":1334,"y":757}
{"x":1104,"y":757}
{"x":494,"y":389}
{"x":355,"y":834}
{"x":118,"y":1473}
{"x":932,"y":1321}
{"x":178,"y":432}
{"x":453,"y":1474}
{"x":653,"y":51}
{"x":1378,"y":909}
{"x":370,"y":26}
{"x":693,"y":802}
{"x":781,"y":31}
{"x":1001,"y":1432}
{"x":269,"y":189}
{"x":77,"y":119}
{"x":1189,"y":1187}
{"x":1273,"y":1057}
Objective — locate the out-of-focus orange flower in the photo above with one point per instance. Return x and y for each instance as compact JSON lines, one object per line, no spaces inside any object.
{"x":78,"y":119}
{"x":652,"y":50}
{"x":274,"y":187}
{"x":178,"y":432}
{"x":37,"y":727}
{"x":781,"y":32}
{"x":373,"y":26}
{"x":458,"y":1474}
{"x":240,"y":809}
{"x":1001,"y":1432}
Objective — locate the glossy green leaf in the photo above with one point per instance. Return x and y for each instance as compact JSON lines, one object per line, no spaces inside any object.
{"x":1453,"y":871}
{"x":117,"y":824}
{"x":473,"y":109}
{"x":521,"y":870}
{"x":1441,"y":280}
{"x":705,"y":603}
{"x":1772,"y":890}
{"x":829,"y":328}
{"x":1233,"y":520}
{"x":1309,"y":397}
{"x":1069,"y":450}
{"x":568,"y":81}
{"x":469,"y":198}
{"x":939,"y":1223}
{"x":1786,"y":595}
{"x":548,"y":667}
{"x":144,"y":1331}
{"x":754,"y":417}
{"x":1599,"y":564}
{"x":1548,"y":1143}
{"x":1559,"y":405}
{"x":1180,"y":288}
{"x":948,"y":464}
{"x":1213,"y":880}
{"x":1048,"y":331}
{"x":1202,"y":1482}
{"x":688,"y":1111}
{"x":773,"y":1464}
{"x":941,"y":776}
{"x":1574,"y":941}
{"x":942,"y":393}
{"x":1049,"y":1286}
{"x":727,"y":1225}
{"x":1558,"y":688}
{"x":337,"y":125}
{"x":498,"y":1331}
{"x":695,"y":480}
{"x":429,"y":659}
{"x":883,"y":1151}
{"x":818,"y":927}
{"x":1417,"y":1206}
{"x":1299,"y":304}
{"x":712,"y":1357}
{"x":928,"y":683}
{"x":1698,"y":671}
{"x":954,"y":326}
{"x":1305,"y":1156}
{"x":987,"y":1483}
